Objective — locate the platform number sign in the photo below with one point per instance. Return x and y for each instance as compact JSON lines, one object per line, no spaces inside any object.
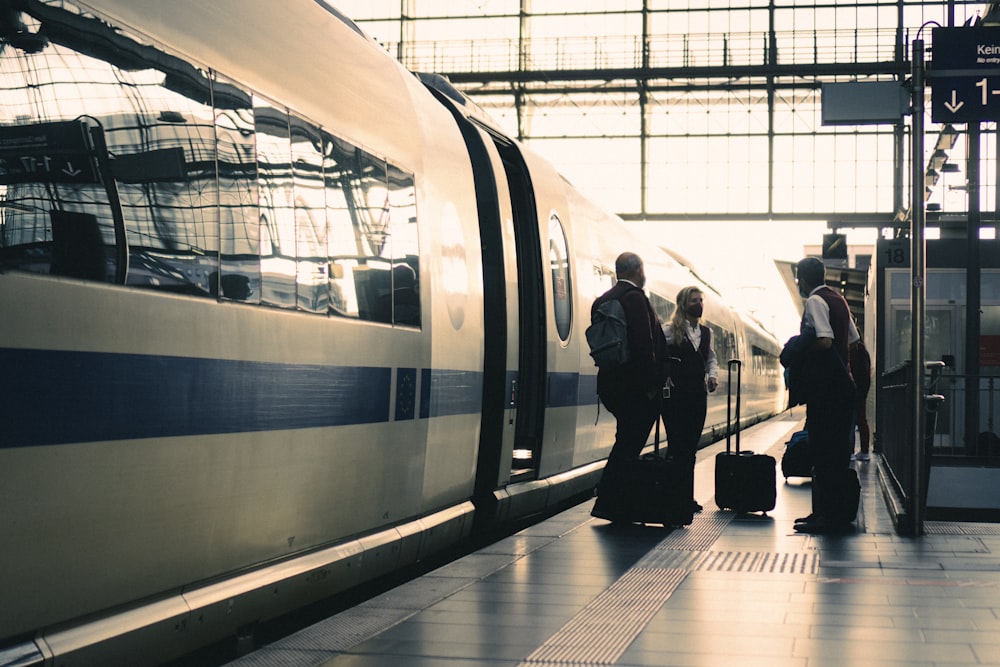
{"x":964,"y":75}
{"x":894,"y":253}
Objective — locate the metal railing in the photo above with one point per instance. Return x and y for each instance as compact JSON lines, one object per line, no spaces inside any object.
{"x":896,"y":440}
{"x":661,"y":51}
{"x":951,"y":440}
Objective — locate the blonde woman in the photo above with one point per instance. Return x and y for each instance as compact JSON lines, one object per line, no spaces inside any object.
{"x":694,"y":373}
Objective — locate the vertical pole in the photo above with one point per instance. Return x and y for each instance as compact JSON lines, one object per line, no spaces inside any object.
{"x":972,"y":298}
{"x":405,"y":30}
{"x":917,"y":220}
{"x":522,"y":66}
{"x":771,"y":58}
{"x":643,"y":111}
{"x":996,"y":190}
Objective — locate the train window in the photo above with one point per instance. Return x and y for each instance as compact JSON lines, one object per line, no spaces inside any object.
{"x":366,"y":216}
{"x":562,"y":287}
{"x":310,"y":217}
{"x":238,"y":201}
{"x":723,"y":342}
{"x":405,"y":247}
{"x":169,"y":177}
{"x":276,"y":204}
{"x":164,"y":163}
{"x":663,"y":308}
{"x":130,"y":197}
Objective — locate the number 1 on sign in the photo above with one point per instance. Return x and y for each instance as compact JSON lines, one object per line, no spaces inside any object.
{"x":986,"y":92}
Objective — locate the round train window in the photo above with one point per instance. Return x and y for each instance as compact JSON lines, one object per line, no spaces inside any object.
{"x":562,"y":288}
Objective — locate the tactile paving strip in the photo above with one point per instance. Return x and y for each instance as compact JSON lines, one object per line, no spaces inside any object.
{"x":948,"y":528}
{"x":701,"y":534}
{"x":601,"y":632}
{"x":735,"y":561}
{"x":756,"y":561}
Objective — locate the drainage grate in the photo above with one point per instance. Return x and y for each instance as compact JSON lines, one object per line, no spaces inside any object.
{"x":601,"y":632}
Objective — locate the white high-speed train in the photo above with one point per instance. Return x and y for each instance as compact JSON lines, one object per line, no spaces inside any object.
{"x":277,"y":317}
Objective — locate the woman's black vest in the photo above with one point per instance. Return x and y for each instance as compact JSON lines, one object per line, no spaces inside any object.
{"x":689,"y":374}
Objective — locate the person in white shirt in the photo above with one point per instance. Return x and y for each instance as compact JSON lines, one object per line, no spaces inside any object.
{"x":829,"y":396}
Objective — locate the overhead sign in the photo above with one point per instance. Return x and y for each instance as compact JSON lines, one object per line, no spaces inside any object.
{"x":863,"y":102}
{"x":964,"y":75}
{"x":834,"y":246}
{"x":46,"y":152}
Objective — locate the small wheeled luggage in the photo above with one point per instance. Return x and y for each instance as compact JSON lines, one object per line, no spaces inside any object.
{"x":845,"y":489}
{"x":797,"y":459}
{"x":652,"y":493}
{"x":744,"y":481}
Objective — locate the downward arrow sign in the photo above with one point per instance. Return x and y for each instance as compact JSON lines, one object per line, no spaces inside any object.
{"x":69,"y":170}
{"x":955,"y":105}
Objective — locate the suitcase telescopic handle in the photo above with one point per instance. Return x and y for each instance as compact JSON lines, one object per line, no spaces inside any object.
{"x":729,"y":403}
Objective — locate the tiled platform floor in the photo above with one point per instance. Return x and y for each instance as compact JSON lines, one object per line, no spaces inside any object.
{"x":728,"y":590}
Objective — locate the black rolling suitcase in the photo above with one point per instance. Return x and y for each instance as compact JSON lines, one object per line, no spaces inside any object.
{"x":744,"y":481}
{"x":653,"y":493}
{"x":797,"y":461}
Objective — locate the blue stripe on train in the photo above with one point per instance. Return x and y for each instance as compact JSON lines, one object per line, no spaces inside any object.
{"x":55,"y":397}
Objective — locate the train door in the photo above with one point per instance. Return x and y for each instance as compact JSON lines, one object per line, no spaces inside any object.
{"x":528,"y":391}
{"x":514,"y":305}
{"x":497,"y":463}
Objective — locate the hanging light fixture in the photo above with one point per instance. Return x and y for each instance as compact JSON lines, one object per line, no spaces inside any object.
{"x":946,"y":139}
{"x":938,"y":159}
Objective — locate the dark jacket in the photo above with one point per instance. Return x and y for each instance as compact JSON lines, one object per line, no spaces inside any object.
{"x":793,"y":358}
{"x":645,"y":370}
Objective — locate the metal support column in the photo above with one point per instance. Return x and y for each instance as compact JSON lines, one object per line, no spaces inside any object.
{"x":972,"y":298}
{"x":917,"y":271}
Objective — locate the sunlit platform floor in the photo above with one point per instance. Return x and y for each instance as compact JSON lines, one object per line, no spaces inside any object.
{"x":727,"y":590}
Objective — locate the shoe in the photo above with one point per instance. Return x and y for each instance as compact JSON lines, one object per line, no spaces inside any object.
{"x":815,"y":527}
{"x":806,"y":519}
{"x":696,"y":507}
{"x":601,"y":513}
{"x":822,"y":527}
{"x":863,"y":456}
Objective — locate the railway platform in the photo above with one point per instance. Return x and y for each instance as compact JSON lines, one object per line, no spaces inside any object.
{"x":729,"y":589}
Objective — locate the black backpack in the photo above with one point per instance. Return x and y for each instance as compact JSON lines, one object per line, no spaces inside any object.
{"x":607,"y":335}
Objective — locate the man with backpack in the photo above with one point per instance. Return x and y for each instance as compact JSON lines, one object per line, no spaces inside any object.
{"x":630,"y":386}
